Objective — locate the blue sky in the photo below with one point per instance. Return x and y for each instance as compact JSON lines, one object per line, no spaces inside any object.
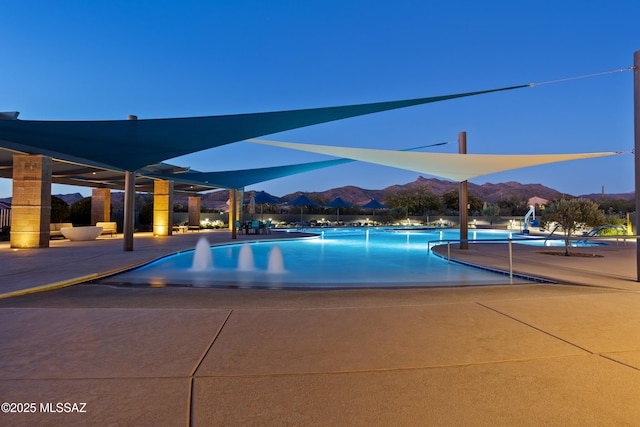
{"x":79,"y":60}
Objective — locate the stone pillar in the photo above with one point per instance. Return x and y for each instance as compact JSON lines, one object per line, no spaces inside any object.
{"x":194,"y":211}
{"x":162,"y":207}
{"x":232,"y":213}
{"x":239,"y":200}
{"x":31,"y":202}
{"x":100,"y":205}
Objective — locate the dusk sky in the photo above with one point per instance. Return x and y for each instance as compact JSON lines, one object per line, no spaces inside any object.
{"x":92,"y":60}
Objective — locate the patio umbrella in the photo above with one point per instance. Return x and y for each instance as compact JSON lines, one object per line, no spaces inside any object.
{"x":264,"y":198}
{"x":302,"y":201}
{"x":261,"y":198}
{"x":338,"y":203}
{"x":373,"y":204}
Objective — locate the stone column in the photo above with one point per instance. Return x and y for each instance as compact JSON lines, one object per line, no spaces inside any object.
{"x":239,"y":200}
{"x":194,"y":211}
{"x":100,"y":205}
{"x":31,"y":202}
{"x":232,"y":213}
{"x":162,"y":207}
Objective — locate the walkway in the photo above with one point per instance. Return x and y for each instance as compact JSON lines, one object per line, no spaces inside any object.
{"x":493,"y":355}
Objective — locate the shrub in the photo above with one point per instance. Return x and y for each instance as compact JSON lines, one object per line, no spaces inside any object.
{"x":571,"y":214}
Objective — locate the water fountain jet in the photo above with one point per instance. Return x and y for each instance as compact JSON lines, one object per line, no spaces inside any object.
{"x":245,"y":258}
{"x":275,"y":263}
{"x":202,"y":257}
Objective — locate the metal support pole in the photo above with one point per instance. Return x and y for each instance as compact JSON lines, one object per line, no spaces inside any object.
{"x":510,"y":259}
{"x":129,"y":195}
{"x":129,"y":209}
{"x":462,"y":197}
{"x":636,"y":127}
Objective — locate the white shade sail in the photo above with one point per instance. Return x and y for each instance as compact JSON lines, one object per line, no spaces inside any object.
{"x":456,"y":167}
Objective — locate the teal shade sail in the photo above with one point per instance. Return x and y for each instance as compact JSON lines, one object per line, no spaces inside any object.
{"x":132,"y":144}
{"x":241,"y":178}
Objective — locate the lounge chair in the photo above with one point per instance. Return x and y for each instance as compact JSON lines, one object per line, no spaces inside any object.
{"x":110,"y":228}
{"x":54,"y":229}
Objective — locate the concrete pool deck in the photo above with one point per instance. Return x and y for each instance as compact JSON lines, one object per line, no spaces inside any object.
{"x":493,"y":355}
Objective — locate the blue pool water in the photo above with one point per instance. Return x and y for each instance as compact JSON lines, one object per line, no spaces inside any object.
{"x":336,"y":258}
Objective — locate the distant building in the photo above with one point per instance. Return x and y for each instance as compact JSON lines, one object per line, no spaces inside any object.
{"x":5,"y":214}
{"x":537,"y":201}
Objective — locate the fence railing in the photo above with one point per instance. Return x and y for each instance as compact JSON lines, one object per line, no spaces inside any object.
{"x":524,"y":240}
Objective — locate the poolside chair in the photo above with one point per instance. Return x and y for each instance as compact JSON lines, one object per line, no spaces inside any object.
{"x":266,"y":227}
{"x":239,"y":227}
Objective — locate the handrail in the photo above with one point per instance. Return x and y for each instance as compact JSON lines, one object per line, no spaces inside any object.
{"x":529,"y":239}
{"x":552,"y":231}
{"x":594,"y":231}
{"x":517,"y":240}
{"x":503,"y":240}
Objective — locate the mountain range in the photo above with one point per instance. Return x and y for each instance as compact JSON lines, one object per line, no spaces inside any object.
{"x":488,"y":192}
{"x":491,"y":193}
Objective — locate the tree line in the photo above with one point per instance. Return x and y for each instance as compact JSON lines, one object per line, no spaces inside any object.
{"x":414,"y":202}
{"x":422,"y":201}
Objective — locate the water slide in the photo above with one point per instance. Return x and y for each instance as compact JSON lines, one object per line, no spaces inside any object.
{"x":532,"y":212}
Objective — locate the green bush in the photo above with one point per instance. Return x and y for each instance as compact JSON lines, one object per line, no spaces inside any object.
{"x":613,"y":231}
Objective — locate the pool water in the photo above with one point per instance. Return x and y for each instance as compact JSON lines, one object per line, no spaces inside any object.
{"x":336,"y":258}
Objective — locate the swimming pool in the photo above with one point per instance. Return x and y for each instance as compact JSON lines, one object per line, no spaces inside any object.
{"x":335,"y":258}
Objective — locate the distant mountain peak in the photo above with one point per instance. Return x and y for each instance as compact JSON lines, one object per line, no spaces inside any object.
{"x":489,"y":192}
